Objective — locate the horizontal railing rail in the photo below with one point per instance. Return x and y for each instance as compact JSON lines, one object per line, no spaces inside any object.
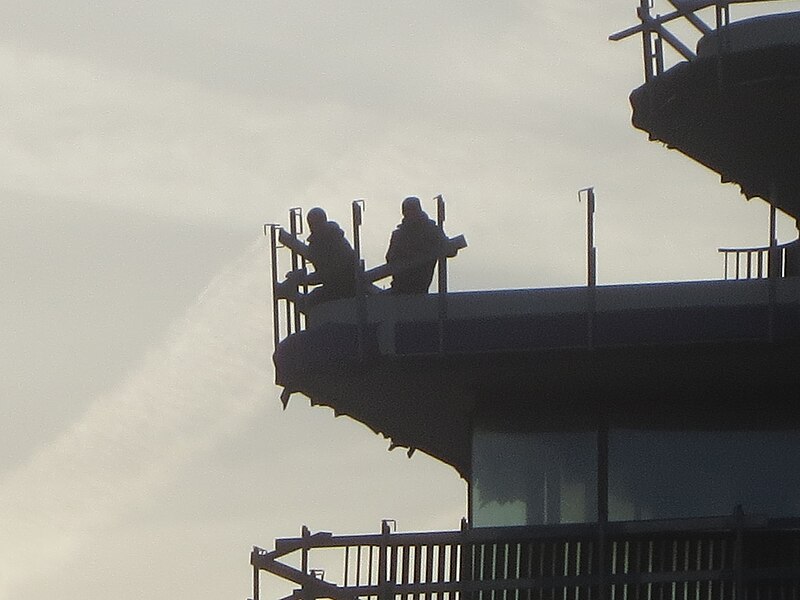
{"x":655,"y":33}
{"x":730,"y":557}
{"x":760,"y":261}
{"x":290,"y":291}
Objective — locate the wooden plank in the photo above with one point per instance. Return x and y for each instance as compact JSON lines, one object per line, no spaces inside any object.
{"x":450,"y":249}
{"x":288,"y":288}
{"x":293,"y":243}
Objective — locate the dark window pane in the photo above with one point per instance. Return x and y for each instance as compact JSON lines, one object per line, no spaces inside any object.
{"x":677,"y":474}
{"x":533,"y":478}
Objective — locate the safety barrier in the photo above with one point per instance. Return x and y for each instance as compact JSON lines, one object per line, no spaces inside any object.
{"x":761,"y":261}
{"x":699,"y":559}
{"x":288,"y":318}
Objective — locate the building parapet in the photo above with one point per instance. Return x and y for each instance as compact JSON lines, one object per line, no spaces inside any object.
{"x":578,"y":317}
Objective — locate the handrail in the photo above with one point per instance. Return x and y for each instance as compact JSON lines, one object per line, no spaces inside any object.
{"x":637,"y":558}
{"x":286,"y":291}
{"x":770,"y":261}
{"x":654,"y":32}
{"x":683,"y":8}
{"x":758,"y":248}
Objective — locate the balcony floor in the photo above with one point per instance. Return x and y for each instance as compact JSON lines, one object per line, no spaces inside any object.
{"x":695,"y":354}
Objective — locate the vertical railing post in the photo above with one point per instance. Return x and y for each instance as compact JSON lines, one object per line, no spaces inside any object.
{"x":383,"y":561}
{"x":760,"y":264}
{"x":647,"y":39}
{"x":306,"y":587}
{"x":295,"y":228}
{"x":256,"y":575}
{"x":358,"y":219}
{"x":659,"y":52}
{"x":723,"y":19}
{"x":774,"y":266}
{"x":591,"y":263}
{"x":358,"y":274}
{"x":465,"y":560}
{"x":440,"y":217}
{"x":442,"y":273}
{"x":273,"y":246}
{"x":591,"y":251}
{"x":723,"y":14}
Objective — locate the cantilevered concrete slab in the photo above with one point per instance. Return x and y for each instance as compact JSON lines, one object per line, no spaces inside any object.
{"x":735,"y":108}
{"x":655,"y":355}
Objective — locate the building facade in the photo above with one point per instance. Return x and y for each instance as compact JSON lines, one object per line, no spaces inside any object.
{"x":629,"y":441}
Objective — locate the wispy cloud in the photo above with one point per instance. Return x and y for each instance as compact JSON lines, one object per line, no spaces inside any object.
{"x":210,"y":373}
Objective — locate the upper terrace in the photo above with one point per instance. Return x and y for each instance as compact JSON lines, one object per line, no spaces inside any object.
{"x":420,"y":368}
{"x":731,"y":102}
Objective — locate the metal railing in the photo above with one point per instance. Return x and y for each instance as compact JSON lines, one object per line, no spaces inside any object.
{"x":287,"y":316}
{"x":761,"y":261}
{"x":654,"y":32}
{"x":700,"y":559}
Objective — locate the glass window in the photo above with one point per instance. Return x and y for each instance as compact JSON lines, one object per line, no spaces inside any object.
{"x":679,"y":474}
{"x":533,"y":478}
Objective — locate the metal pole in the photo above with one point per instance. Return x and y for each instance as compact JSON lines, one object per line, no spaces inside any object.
{"x":295,"y":227}
{"x":273,"y":241}
{"x":256,"y":584}
{"x":773,"y":229}
{"x":659,"y":51}
{"x":591,"y":263}
{"x":306,"y":588}
{"x":647,"y":39}
{"x":591,"y":251}
{"x":440,"y":216}
{"x":383,"y":561}
{"x":442,"y":273}
{"x":774,"y":266}
{"x":358,"y":220}
{"x":723,"y":14}
{"x":358,"y":274}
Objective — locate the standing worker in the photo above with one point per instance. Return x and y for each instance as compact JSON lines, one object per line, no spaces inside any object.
{"x":414,"y":249}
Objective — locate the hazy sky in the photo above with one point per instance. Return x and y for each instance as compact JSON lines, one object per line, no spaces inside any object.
{"x":144,"y":144}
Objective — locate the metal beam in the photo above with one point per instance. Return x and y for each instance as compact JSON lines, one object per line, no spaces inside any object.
{"x":684,"y":8}
{"x":699,"y":24}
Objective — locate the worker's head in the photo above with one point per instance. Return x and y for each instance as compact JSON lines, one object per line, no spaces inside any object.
{"x":411,"y":207}
{"x":316,"y":218}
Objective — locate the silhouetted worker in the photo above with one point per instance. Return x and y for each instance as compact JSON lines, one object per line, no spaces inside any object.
{"x":414,"y":249}
{"x":333,"y":258}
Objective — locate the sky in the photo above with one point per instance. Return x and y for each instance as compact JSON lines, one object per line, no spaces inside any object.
{"x":144,"y":145}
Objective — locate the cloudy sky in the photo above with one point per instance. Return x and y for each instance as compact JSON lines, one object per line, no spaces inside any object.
{"x":143,"y":146}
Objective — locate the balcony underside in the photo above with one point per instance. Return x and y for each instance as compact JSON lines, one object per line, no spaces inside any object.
{"x":665,"y":356}
{"x":736,"y":114}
